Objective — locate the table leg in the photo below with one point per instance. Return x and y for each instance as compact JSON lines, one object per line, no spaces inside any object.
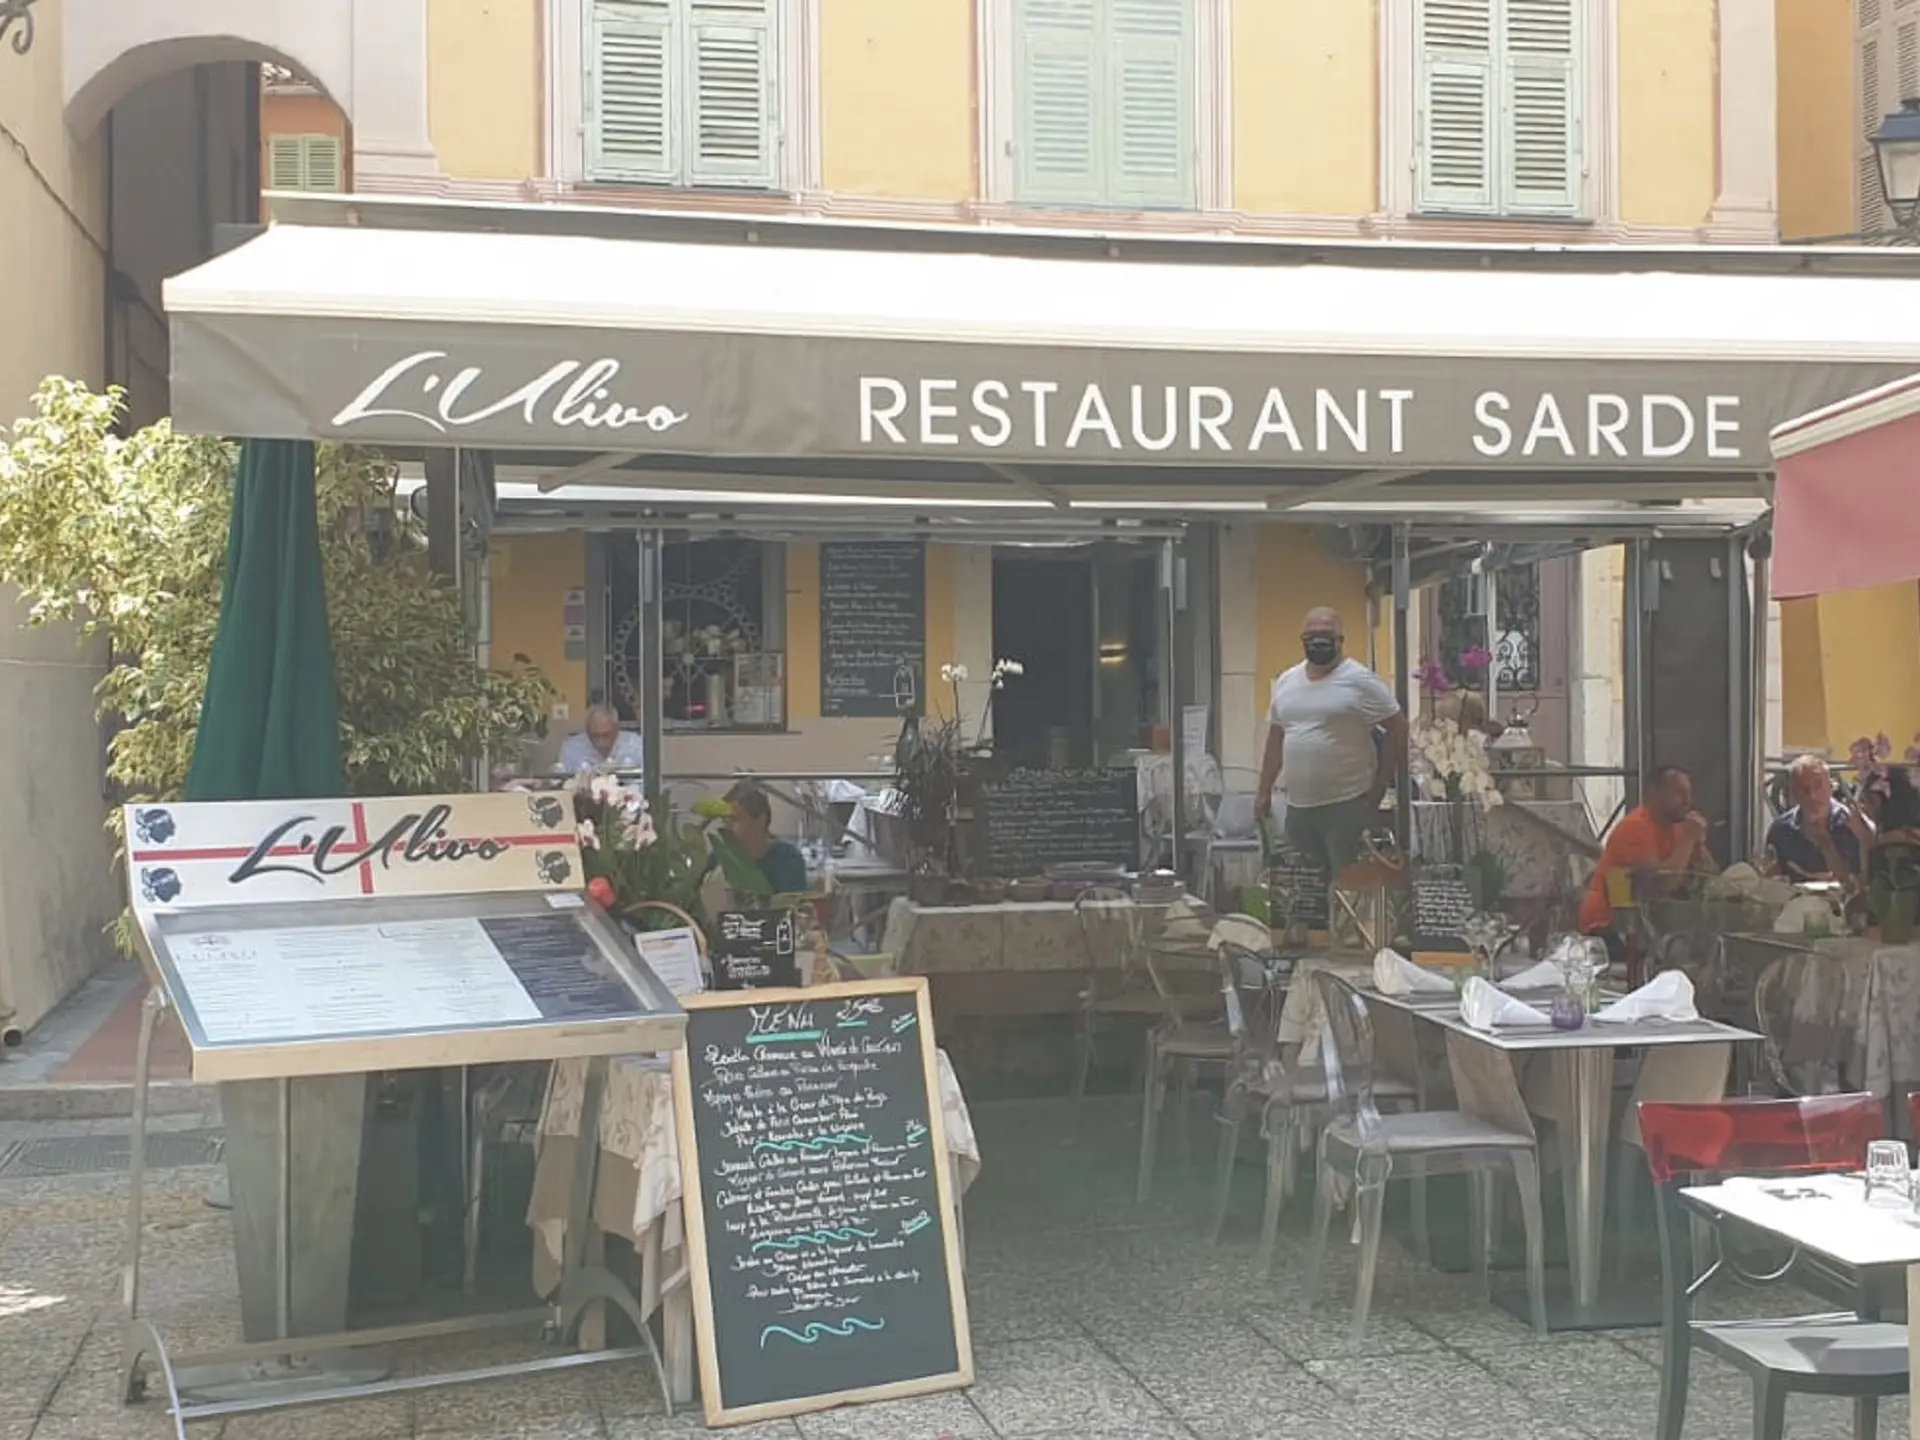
{"x":1587,"y":1082}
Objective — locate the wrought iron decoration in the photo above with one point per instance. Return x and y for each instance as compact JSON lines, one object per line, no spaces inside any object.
{"x":17,"y":13}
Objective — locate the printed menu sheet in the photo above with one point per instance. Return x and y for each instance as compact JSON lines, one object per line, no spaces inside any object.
{"x":322,"y":980}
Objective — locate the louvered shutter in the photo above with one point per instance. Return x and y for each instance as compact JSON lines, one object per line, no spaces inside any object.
{"x":1059,"y":140}
{"x":1456,"y":132}
{"x":323,"y":163}
{"x":1540,"y":108}
{"x":286,"y":163}
{"x":731,"y":89}
{"x":631,"y":95}
{"x":1886,"y":56}
{"x":1150,"y":68}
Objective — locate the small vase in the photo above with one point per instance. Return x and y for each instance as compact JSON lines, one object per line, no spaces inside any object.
{"x":1567,"y":1012}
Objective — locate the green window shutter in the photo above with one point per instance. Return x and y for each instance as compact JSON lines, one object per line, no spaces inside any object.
{"x":732,"y":87}
{"x":286,"y":163}
{"x":1059,"y":144}
{"x":323,"y":163}
{"x":632,"y":119}
{"x":1150,"y":83}
{"x":1540,"y":108}
{"x":1455,"y":135}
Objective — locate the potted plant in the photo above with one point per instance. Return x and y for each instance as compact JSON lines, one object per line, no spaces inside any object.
{"x":936,"y":779}
{"x":649,"y":876}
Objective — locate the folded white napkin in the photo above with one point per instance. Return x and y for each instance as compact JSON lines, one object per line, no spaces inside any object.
{"x":1668,"y":996}
{"x":1394,"y":974}
{"x":1542,"y":975}
{"x":1485,"y":1007}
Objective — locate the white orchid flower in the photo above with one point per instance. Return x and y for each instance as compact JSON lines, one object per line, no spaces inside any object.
{"x":589,"y":837}
{"x":1436,"y":789}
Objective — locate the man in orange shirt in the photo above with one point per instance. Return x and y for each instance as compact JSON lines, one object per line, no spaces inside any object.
{"x":1665,"y":838}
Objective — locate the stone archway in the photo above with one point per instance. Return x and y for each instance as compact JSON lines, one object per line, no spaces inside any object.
{"x":368,"y":56}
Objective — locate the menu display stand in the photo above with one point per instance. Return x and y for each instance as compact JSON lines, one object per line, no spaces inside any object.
{"x":300,"y":939}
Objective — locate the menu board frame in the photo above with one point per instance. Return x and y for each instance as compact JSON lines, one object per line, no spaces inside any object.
{"x":872,"y":706}
{"x":693,"y":1204}
{"x":655,"y":1022}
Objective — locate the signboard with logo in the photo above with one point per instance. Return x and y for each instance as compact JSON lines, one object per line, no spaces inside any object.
{"x":264,"y":851}
{"x":339,"y":936}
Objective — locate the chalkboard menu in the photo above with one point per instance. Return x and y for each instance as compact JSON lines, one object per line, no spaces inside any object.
{"x":1442,"y":906}
{"x":824,"y":1260}
{"x":1296,"y":892}
{"x":1037,"y":818}
{"x":754,"y":950}
{"x":873,"y":629}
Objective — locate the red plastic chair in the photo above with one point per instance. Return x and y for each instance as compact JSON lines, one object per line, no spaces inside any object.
{"x":1852,"y":1355}
{"x":1913,"y":1113}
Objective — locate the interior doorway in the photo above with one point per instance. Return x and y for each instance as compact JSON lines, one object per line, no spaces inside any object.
{"x":1085,"y":625}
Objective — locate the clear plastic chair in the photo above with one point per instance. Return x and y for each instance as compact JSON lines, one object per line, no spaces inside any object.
{"x":1361,"y":1147}
{"x":1851,"y":1355}
{"x":1270,"y":1080}
{"x":1116,"y":987}
{"x":1798,"y":1003}
{"x":1178,"y":1047}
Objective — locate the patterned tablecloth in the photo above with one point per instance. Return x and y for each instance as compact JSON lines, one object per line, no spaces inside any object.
{"x":1046,"y":935}
{"x":637,"y":1186}
{"x":1856,"y":1021}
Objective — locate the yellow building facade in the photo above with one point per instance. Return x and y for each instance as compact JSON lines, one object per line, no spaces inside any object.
{"x":1850,"y":662}
{"x":1460,"y":121}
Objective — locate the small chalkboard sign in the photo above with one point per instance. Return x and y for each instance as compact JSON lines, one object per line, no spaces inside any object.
{"x":1442,"y":906}
{"x":873,"y":629}
{"x":754,"y":950}
{"x":1296,"y":891}
{"x":1038,"y":818}
{"x":818,"y":1202}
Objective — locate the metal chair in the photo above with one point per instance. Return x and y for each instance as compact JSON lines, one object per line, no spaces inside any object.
{"x":1360,"y":1146}
{"x":1852,"y":1355}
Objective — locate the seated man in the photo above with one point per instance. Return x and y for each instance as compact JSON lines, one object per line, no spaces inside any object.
{"x":1819,"y":838}
{"x":1659,"y":843}
{"x":752,"y":829}
{"x":602,"y":745}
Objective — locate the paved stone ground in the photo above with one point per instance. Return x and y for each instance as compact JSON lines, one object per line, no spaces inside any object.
{"x":1093,"y":1318}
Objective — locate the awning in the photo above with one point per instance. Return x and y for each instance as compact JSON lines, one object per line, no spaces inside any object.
{"x":1847,"y":494}
{"x":811,"y":365}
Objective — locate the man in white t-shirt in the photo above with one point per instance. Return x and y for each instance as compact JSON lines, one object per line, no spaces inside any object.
{"x":1321,"y":746}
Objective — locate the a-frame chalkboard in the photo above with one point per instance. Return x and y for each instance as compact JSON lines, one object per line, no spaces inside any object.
{"x":822,"y":1252}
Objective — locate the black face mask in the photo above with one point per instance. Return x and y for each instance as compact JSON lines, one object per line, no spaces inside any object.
{"x":1321,"y":649}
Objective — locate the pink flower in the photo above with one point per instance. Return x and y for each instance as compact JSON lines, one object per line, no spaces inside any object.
{"x":1477,"y":657}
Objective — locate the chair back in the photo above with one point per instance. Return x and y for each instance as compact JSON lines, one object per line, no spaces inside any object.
{"x":1112,"y":930}
{"x":1807,"y":1136}
{"x":1798,"y":1005}
{"x":1347,"y":1052}
{"x":1692,"y":1143}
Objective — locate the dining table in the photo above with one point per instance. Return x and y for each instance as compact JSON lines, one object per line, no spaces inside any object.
{"x":1568,"y":1076}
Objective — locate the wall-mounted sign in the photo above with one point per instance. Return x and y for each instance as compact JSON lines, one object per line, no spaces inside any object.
{"x":873,"y":629}
{"x":250,"y":852}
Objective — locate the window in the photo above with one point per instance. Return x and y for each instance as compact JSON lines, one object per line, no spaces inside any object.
{"x":1105,"y":103}
{"x":723,"y":618}
{"x":683,"y":92}
{"x":1499,"y":107}
{"x":304,"y":162}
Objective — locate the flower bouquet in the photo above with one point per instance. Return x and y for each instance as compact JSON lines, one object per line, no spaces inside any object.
{"x":649,"y":875}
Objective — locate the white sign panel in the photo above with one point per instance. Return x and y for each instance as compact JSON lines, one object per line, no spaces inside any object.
{"x":190,"y":856}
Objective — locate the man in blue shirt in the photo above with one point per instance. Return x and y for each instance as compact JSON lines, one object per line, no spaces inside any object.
{"x":1819,"y":838}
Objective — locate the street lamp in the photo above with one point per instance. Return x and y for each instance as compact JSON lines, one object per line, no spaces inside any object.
{"x":1896,"y":146}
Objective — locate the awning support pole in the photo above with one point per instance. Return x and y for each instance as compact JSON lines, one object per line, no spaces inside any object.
{"x":1492,"y":641}
{"x":1740,"y":744}
{"x":1632,"y":655}
{"x":1762,"y":553}
{"x":1171,"y":668}
{"x":653,"y":662}
{"x":1402,"y":676}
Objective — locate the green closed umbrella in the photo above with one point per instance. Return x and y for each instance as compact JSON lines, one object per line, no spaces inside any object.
{"x":270,"y":724}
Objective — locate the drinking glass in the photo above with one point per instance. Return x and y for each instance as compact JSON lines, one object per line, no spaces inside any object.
{"x":1889,"y":1175}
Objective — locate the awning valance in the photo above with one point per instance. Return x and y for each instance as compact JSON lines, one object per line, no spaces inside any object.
{"x":1847,"y":494}
{"x":523,"y":342}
